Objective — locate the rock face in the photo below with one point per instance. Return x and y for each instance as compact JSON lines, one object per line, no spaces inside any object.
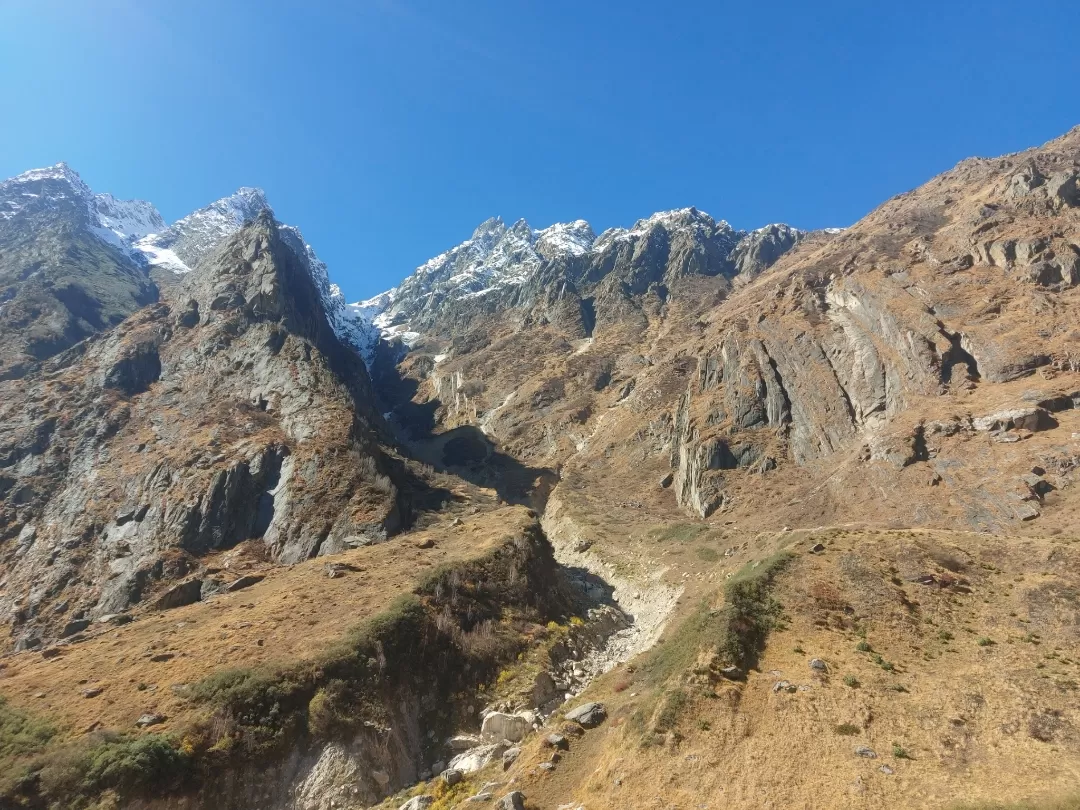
{"x":229,"y":412}
{"x":720,"y":361}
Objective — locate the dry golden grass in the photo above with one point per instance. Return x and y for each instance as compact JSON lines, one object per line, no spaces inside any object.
{"x":955,"y":718}
{"x":294,"y":613}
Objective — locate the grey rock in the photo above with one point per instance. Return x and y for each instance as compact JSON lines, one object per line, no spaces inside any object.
{"x":452,"y":776}
{"x":511,"y":801}
{"x":245,"y":581}
{"x":418,"y":803}
{"x":501,"y":726}
{"x":186,"y":593}
{"x":556,"y":741}
{"x":818,"y":665}
{"x":1032,"y":418}
{"x":588,"y":714}
{"x":510,"y":756}
{"x":462,"y":742}
{"x":865,"y":752}
{"x":73,"y":627}
{"x":150,"y":719}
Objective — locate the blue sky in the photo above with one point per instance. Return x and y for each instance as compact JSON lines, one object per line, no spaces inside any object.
{"x":387,"y":129}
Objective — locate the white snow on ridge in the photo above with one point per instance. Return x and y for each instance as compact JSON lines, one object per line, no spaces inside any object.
{"x":497,"y":257}
{"x":127,"y":219}
{"x":570,"y":238}
{"x":179,"y":247}
{"x":118,"y":222}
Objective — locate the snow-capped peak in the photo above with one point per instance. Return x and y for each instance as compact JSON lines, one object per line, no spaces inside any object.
{"x":572,"y":238}
{"x":180,"y":246}
{"x":118,"y":222}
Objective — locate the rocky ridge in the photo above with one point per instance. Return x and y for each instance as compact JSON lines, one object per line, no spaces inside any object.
{"x":230,"y":413}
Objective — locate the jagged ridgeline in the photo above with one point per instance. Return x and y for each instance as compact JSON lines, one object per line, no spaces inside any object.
{"x":563,"y":520}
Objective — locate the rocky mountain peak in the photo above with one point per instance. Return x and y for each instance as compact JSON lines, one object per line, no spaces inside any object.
{"x":179,"y":247}
{"x":490,"y":227}
{"x":60,"y":191}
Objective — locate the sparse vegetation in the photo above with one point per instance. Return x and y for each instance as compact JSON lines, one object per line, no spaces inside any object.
{"x":862,"y":646}
{"x":448,"y":637}
{"x":899,"y":752}
{"x":847,"y":729}
{"x":21,"y":734}
{"x":852,"y":681}
{"x":706,"y":554}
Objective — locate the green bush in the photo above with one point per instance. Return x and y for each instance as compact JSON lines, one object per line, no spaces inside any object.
{"x":21,"y":734}
{"x":753,"y":612}
{"x":674,"y":702}
{"x":128,"y":764}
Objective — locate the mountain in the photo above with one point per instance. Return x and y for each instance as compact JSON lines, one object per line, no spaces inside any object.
{"x":65,"y":271}
{"x":228,"y":412}
{"x":673,"y":515}
{"x":179,"y":247}
{"x":500,"y":265}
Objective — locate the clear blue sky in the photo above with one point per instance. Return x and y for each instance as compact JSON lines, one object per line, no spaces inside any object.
{"x":387,"y":129}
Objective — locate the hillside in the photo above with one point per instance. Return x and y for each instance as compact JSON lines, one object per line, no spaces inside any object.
{"x":795,"y":507}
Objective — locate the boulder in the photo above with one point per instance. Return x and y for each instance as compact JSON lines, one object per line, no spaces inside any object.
{"x":463,"y":742}
{"x":510,"y":756}
{"x":186,"y":593}
{"x":1033,"y":419}
{"x":865,"y":752}
{"x":245,"y":581}
{"x":418,"y":803}
{"x":452,"y":776}
{"x":588,"y":714}
{"x":543,"y":690}
{"x":511,"y":801}
{"x":477,"y":758}
{"x":73,"y":627}
{"x":500,"y":726}
{"x":557,"y":741}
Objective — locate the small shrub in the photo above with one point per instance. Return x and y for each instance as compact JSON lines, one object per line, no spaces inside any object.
{"x":21,"y":734}
{"x":706,"y":554}
{"x":852,"y":681}
{"x":985,"y":641}
{"x":847,"y":729}
{"x":862,"y":646}
{"x":798,"y":650}
{"x":674,"y":702}
{"x":899,"y":752}
{"x":945,"y":635}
